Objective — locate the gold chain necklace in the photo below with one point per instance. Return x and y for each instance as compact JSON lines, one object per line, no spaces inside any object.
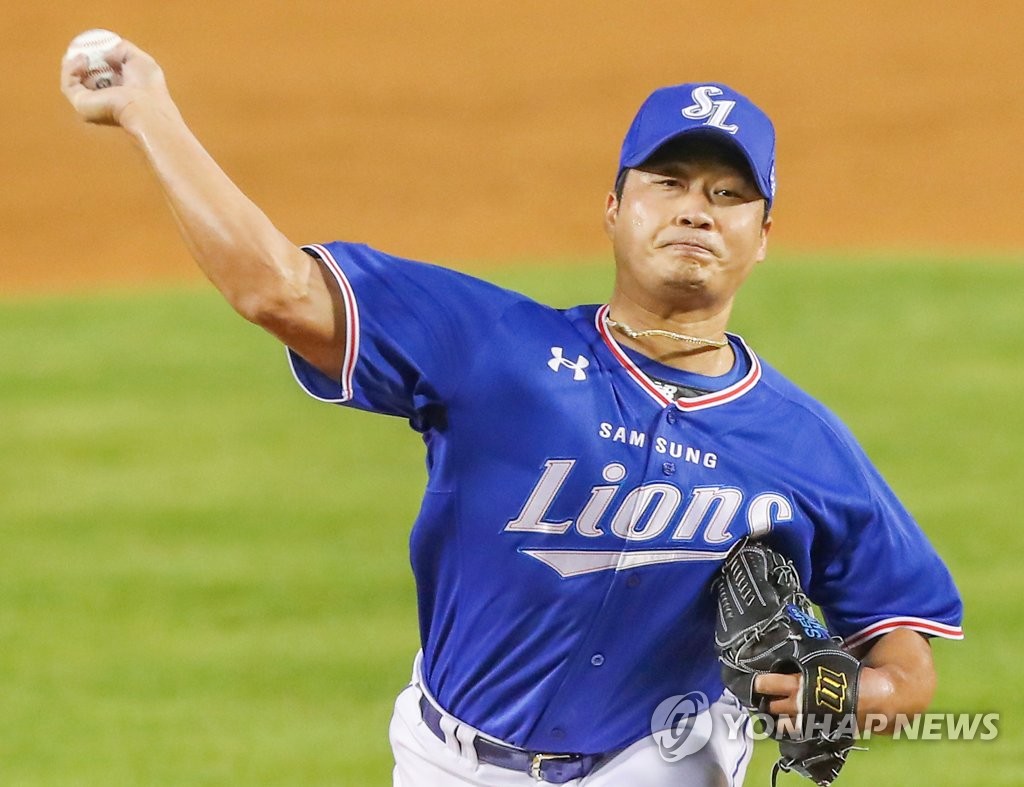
{"x":681,"y":337}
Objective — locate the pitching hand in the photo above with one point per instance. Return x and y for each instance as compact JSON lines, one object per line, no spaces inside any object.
{"x":138,"y":86}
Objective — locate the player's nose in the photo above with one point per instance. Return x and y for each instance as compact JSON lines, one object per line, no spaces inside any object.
{"x":693,"y":210}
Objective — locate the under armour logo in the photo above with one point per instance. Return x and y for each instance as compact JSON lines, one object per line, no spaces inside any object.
{"x":715,"y":111}
{"x":558,"y":361}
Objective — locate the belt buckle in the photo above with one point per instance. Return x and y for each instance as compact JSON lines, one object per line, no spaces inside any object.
{"x":538,"y":762}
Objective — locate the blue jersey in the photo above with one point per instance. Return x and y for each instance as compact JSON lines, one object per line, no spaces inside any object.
{"x":576,"y":513}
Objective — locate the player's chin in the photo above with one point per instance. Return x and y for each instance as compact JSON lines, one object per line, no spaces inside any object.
{"x":687,"y":286}
{"x":687,"y":271}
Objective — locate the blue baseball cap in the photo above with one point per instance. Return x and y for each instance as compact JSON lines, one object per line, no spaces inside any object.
{"x":708,"y":108}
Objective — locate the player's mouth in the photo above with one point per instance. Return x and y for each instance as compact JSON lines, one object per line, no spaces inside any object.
{"x":687,"y":245}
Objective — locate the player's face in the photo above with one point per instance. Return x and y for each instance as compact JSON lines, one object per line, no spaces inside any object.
{"x":687,"y":231}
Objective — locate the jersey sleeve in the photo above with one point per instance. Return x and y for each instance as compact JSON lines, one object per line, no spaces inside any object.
{"x":882,"y":573}
{"x":412,"y":331}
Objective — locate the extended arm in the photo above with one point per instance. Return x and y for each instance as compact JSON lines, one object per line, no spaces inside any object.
{"x":897,"y":677}
{"x":265,"y":277}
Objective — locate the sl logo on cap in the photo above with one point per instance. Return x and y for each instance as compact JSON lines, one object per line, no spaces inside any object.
{"x":715,"y":111}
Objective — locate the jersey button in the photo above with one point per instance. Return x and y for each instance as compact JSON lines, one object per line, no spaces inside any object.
{"x":668,"y":468}
{"x":633,"y":581}
{"x":670,"y":416}
{"x":558,"y":733}
{"x":597,"y":659}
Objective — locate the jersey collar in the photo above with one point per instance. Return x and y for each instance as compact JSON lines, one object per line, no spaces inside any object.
{"x":714,"y":399}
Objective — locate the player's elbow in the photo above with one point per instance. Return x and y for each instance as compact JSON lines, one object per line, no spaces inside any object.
{"x":309,"y":321}
{"x":261,"y":307}
{"x":284,"y":313}
{"x":279,"y":294}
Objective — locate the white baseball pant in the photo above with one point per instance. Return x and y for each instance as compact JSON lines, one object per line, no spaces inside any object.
{"x":422,"y":759}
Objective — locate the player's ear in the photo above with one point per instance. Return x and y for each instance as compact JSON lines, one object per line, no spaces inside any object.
{"x":762,"y":250}
{"x":611,"y":213}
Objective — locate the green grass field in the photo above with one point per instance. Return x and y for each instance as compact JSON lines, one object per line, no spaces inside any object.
{"x":203,"y":573}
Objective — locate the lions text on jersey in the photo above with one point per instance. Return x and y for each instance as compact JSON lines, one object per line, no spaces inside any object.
{"x":576,"y":510}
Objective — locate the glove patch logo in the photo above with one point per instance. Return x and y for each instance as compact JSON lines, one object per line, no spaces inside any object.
{"x":780,"y":631}
{"x":812,"y":628}
{"x":830,"y":689}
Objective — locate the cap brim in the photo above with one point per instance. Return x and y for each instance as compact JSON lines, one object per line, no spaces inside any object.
{"x":636,"y":161}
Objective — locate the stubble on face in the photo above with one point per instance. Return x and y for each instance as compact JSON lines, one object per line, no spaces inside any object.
{"x":687,"y":230}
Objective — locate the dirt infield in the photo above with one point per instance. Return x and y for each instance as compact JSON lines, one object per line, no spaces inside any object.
{"x":461,"y":130}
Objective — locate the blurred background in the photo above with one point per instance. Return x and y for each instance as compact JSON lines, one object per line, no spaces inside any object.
{"x":476,"y":131}
{"x":204,"y":575}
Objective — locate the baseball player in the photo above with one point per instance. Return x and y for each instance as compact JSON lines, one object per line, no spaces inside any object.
{"x":589,"y":468}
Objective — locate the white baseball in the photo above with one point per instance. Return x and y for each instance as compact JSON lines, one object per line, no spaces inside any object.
{"x":95,"y":44}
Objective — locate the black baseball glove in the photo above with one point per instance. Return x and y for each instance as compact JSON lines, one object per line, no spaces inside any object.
{"x":766,"y":624}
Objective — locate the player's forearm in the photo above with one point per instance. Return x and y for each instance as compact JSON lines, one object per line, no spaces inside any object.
{"x":238,"y":248}
{"x":898,"y":678}
{"x":264,"y":277}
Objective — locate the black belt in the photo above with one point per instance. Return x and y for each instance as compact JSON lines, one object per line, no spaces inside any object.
{"x":551,"y":768}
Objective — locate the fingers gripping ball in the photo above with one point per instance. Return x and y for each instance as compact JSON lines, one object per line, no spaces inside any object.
{"x":95,"y":44}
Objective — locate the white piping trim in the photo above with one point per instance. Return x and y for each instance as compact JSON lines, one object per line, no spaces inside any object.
{"x":348,"y":365}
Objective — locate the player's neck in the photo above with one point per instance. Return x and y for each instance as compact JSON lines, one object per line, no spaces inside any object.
{"x":698,"y":343}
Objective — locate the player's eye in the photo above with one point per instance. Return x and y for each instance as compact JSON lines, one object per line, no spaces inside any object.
{"x":729,"y":195}
{"x":668,"y":182}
